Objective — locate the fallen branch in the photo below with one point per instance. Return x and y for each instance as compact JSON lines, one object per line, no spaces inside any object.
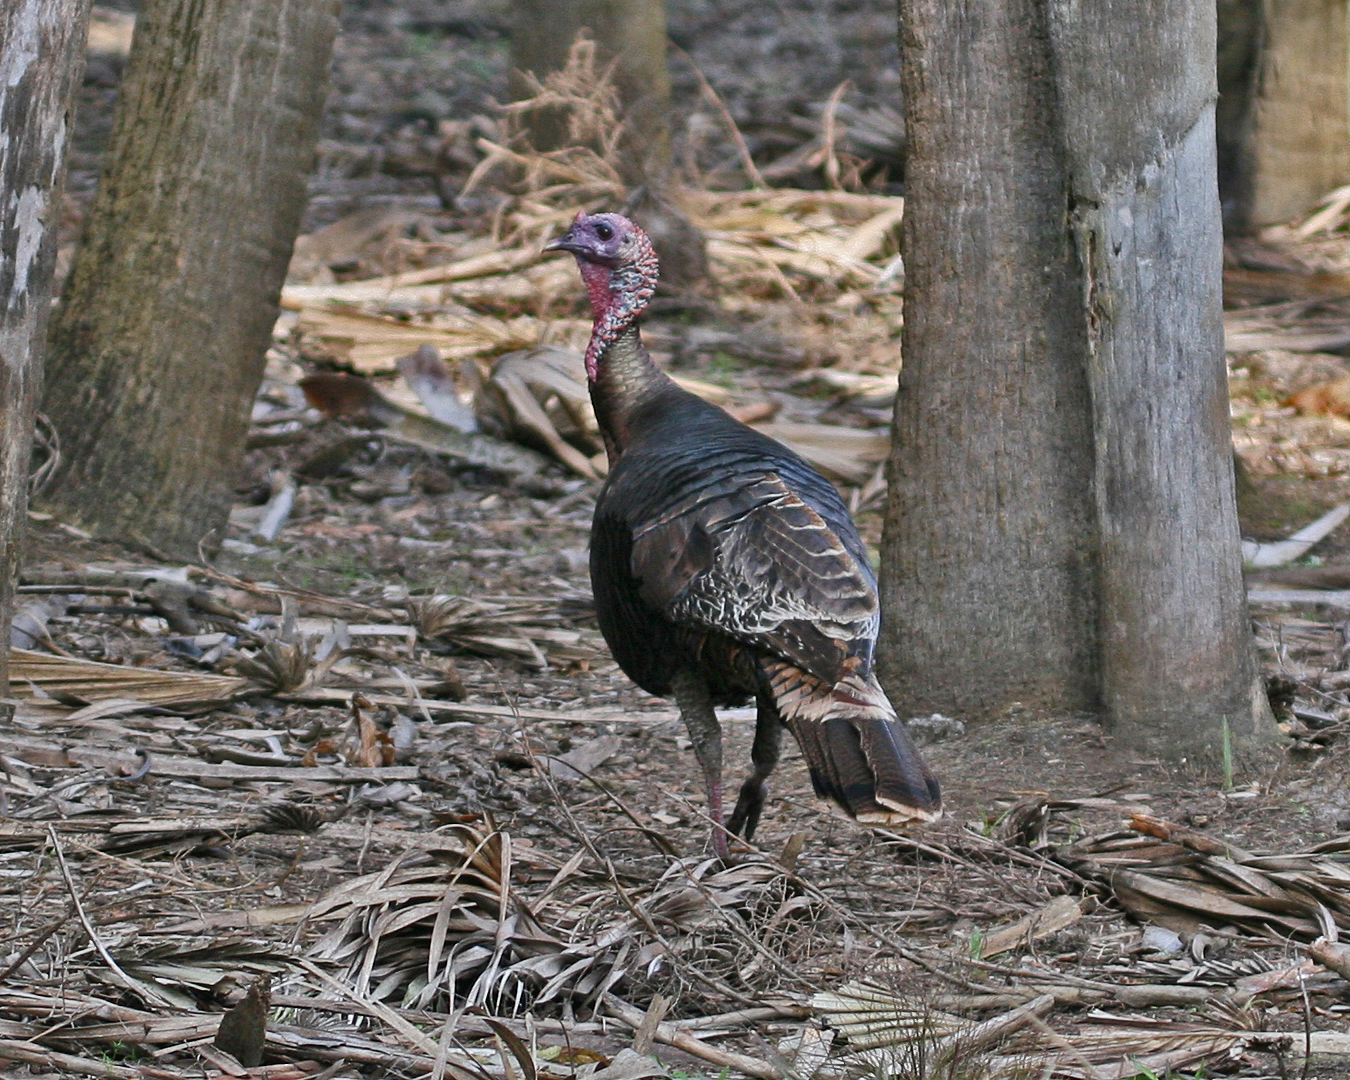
{"x":33,"y":1054}
{"x":682,"y":1040}
{"x":990,"y":1031}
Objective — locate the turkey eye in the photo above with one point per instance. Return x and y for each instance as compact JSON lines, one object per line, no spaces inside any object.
{"x":604,"y":232}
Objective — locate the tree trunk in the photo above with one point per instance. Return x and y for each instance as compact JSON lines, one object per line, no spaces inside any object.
{"x":631,"y":31}
{"x":41,"y":59}
{"x":1239,"y":53}
{"x":1284,"y":109}
{"x":1062,"y":529}
{"x":158,"y":346}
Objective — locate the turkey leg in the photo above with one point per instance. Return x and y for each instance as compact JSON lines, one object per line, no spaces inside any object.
{"x":696,"y":710}
{"x":764,"y":754}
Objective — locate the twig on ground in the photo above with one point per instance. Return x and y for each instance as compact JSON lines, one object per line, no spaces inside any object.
{"x":32,"y":1054}
{"x":135,"y":986}
{"x":829,"y":136}
{"x":682,"y":1040}
{"x":278,"y":508}
{"x":33,"y":946}
{"x":646,"y":1031}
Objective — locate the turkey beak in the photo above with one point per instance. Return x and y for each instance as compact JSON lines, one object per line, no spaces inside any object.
{"x":566,"y":242}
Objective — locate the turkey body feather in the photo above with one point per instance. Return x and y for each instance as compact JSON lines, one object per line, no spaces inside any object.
{"x":715,"y":540}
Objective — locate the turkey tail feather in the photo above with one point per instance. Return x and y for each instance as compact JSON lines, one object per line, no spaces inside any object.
{"x":860,"y":755}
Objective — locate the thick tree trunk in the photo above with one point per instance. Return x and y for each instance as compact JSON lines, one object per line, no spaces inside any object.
{"x":989,"y":568}
{"x":1284,"y":113}
{"x":1062,"y":529}
{"x":41,"y":58}
{"x":158,"y":346}
{"x":633,"y":32}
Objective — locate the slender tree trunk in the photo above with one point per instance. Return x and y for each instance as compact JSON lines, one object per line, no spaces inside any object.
{"x":1062,"y":529}
{"x":41,"y":59}
{"x":1284,"y":110}
{"x":633,"y":32}
{"x":158,"y":346}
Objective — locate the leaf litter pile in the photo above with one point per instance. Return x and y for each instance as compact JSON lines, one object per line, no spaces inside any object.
{"x":365,"y":796}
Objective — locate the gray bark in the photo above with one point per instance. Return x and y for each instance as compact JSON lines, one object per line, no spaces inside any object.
{"x":159,"y":343}
{"x":41,"y":60}
{"x":988,"y":571}
{"x":1062,"y":529}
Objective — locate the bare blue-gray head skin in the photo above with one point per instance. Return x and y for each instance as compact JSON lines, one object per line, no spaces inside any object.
{"x":620,"y":270}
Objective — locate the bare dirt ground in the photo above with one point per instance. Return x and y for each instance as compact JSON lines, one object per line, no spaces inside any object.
{"x":385,"y":761}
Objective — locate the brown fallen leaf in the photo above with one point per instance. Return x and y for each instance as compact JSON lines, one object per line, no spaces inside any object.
{"x":376,"y":748}
{"x":243,"y":1029}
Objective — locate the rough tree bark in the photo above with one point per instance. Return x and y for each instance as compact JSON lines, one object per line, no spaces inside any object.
{"x":1284,"y":107}
{"x":41,"y":59}
{"x":158,"y":346}
{"x":631,"y":31}
{"x":1062,"y":529}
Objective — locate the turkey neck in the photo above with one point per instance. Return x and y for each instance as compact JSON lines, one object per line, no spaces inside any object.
{"x":619,"y":370}
{"x":625,"y":379}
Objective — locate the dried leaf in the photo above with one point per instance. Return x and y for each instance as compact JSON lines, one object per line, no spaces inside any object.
{"x":243,"y":1028}
{"x":1061,"y":912}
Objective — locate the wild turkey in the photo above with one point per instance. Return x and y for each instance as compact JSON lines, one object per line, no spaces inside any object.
{"x":725,"y":567}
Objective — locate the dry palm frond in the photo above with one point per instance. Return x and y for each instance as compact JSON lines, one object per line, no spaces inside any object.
{"x":440,"y":929}
{"x":287,"y":660}
{"x":501,"y":293}
{"x":895,"y":1035}
{"x":870,"y":1015}
{"x":1110,"y":1047}
{"x":280,"y":665}
{"x":354,"y":400}
{"x":185,"y":974}
{"x":462,"y":926}
{"x":1175,"y":877}
{"x":36,"y":675}
{"x":540,"y":395}
{"x":374,"y":342}
{"x":1332,"y":214}
{"x":528,"y":631}
{"x":148,"y":836}
{"x":47,"y":449}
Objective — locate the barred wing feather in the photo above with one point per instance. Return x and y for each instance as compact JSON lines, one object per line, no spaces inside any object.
{"x":759,"y":564}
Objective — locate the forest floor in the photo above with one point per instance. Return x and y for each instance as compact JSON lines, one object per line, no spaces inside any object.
{"x":380,"y":756}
